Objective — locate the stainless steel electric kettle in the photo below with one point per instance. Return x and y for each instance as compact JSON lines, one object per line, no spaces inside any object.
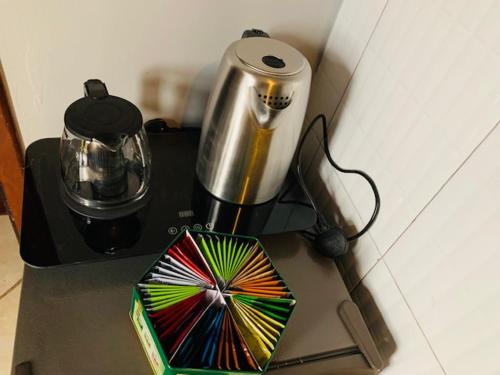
{"x":253,"y":120}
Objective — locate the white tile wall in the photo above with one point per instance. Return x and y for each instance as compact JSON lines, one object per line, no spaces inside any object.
{"x":423,"y":96}
{"x":352,"y":29}
{"x":348,"y":39}
{"x":447,"y":264}
{"x":395,"y":332}
{"x":419,"y":88}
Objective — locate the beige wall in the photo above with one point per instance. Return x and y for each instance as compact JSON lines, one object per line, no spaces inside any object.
{"x":159,"y":54}
{"x":416,"y":85}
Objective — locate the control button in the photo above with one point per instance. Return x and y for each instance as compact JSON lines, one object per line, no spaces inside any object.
{"x":273,"y":62}
{"x":198,"y":227}
{"x":185,"y":227}
{"x":209,"y":226}
{"x":172,"y":230}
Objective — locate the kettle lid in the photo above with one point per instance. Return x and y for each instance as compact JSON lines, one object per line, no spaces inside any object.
{"x":270,"y":56}
{"x":101,"y":116}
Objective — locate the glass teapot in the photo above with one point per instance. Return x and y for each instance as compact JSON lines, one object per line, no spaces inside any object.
{"x":104,"y":154}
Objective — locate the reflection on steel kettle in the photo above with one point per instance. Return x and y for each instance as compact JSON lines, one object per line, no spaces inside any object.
{"x":226,"y":217}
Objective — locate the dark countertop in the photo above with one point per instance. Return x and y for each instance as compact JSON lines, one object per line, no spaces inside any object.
{"x":74,"y":319}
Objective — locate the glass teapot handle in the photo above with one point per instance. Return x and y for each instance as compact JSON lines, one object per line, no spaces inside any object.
{"x":95,"y":88}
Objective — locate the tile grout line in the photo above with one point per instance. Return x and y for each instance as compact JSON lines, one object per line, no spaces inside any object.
{"x":441,"y":188}
{"x":366,"y":274}
{"x":4,"y":294}
{"x":414,"y":317}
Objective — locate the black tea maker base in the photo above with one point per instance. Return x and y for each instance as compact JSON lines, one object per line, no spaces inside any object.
{"x":54,"y":235}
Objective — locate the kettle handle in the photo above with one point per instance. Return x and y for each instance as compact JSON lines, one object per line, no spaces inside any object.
{"x":254,"y":33}
{"x":95,"y":88}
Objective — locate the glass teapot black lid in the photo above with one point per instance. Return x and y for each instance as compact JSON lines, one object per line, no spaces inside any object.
{"x":101,"y":116}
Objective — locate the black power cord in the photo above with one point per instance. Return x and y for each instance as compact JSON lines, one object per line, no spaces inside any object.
{"x":330,"y":239}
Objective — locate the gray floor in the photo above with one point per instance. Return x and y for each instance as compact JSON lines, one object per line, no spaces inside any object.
{"x":11,"y":272}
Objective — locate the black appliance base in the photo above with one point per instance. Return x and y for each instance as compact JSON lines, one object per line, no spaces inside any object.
{"x":53,"y":235}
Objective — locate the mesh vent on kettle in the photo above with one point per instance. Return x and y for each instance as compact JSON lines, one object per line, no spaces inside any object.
{"x":275,"y":101}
